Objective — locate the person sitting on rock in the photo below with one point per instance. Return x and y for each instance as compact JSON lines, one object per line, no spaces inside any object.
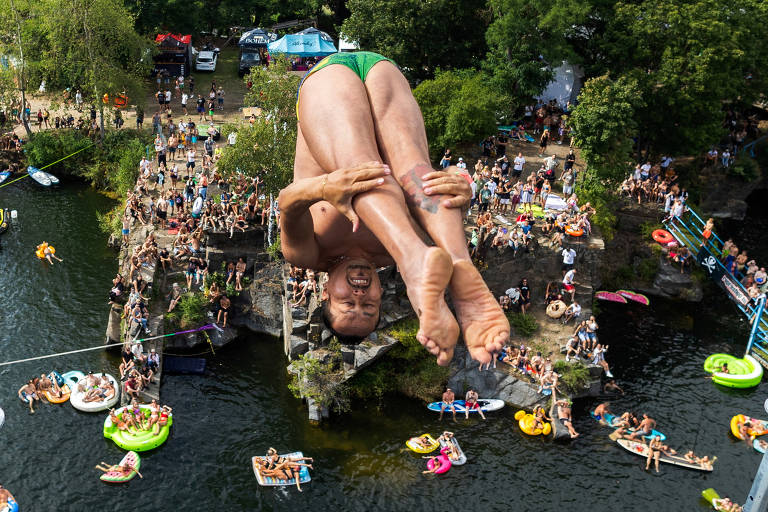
{"x":571,"y":312}
{"x":564,"y":413}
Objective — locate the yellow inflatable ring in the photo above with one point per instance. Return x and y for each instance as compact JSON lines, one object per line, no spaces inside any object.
{"x":526,"y":422}
{"x":40,"y":252}
{"x":740,"y":418}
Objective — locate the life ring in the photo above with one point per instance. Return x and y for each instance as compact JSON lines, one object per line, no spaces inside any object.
{"x":556,"y":309}
{"x":443,"y":460}
{"x":121,"y":100}
{"x":662,"y":236}
{"x":40,"y":251}
{"x":573,"y":230}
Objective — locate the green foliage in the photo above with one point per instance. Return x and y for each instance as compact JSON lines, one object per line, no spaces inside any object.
{"x":573,"y":376}
{"x":420,"y":36}
{"x":459,"y":107}
{"x":647,"y":228}
{"x":647,"y":268}
{"x":592,"y":190}
{"x":275,"y":249}
{"x":266,"y":147}
{"x":110,"y":223}
{"x":192,"y":308}
{"x":407,"y":369}
{"x":603,"y":126}
{"x":320,"y":381}
{"x":523,"y":324}
{"x":744,"y":168}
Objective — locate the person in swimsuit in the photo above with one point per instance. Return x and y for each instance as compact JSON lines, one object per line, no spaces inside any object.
{"x":165,"y":411}
{"x":654,"y":452}
{"x":49,"y":256}
{"x":362,"y":178}
{"x":601,"y":410}
{"x":448,"y":398}
{"x":539,"y":417}
{"x":239,"y":273}
{"x":470,"y":403}
{"x":645,"y":428}
{"x":224,"y":305}
{"x":119,"y":423}
{"x":564,"y":413}
{"x":28,"y":393}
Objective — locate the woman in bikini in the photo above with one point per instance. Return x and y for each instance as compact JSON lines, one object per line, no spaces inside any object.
{"x":654,"y":452}
{"x":137,"y":413}
{"x":154,"y":416}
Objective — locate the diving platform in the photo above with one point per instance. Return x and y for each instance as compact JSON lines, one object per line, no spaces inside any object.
{"x":688,"y":230}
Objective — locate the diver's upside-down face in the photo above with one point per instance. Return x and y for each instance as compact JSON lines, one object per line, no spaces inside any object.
{"x":353,"y":292}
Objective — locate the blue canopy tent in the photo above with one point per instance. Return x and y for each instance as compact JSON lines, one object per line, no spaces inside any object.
{"x":303,"y":45}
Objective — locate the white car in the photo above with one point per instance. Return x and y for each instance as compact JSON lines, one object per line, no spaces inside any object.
{"x":206,"y":61}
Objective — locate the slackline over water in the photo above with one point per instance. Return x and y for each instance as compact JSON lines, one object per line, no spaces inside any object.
{"x":46,"y":166}
{"x":100,"y":347}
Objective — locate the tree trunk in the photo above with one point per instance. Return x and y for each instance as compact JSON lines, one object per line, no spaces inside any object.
{"x":101,"y":122}
{"x":22,"y":78}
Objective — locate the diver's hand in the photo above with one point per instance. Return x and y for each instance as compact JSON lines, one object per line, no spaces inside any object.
{"x":342,"y":185}
{"x":449,"y":184}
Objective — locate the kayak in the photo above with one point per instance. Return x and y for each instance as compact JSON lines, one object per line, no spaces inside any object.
{"x":418,"y":448}
{"x":77,"y":398}
{"x":759,"y":427}
{"x":461,"y":459}
{"x":526,"y":421}
{"x":609,"y":420}
{"x":117,"y":477}
{"x":276,"y":482}
{"x":742,"y":373}
{"x":10,"y":506}
{"x":637,"y":297}
{"x":611,"y":297}
{"x":641,"y":449}
{"x":65,"y":391}
{"x":486,"y":405}
{"x":4,"y":175}
{"x":39,"y":176}
{"x":140,"y":441}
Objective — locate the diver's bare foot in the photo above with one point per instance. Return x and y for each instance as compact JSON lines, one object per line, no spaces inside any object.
{"x":438,"y":330}
{"x":483,"y":323}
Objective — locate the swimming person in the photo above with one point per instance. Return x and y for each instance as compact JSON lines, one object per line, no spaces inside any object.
{"x":28,"y":393}
{"x":362,"y":178}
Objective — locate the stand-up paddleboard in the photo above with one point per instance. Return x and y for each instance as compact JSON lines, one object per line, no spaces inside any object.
{"x":54,"y":179}
{"x":4,"y":175}
{"x":2,"y":418}
{"x":486,"y":405}
{"x":642,"y":449}
{"x":39,"y":176}
{"x":636,"y":297}
{"x":610,"y":296}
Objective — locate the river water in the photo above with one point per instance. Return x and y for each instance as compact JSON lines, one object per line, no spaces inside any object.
{"x":241,"y":407}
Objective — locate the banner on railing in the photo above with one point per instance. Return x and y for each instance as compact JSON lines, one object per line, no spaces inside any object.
{"x":733,"y":288}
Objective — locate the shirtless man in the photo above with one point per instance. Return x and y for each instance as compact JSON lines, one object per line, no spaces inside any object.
{"x":564,"y":413}
{"x":448,"y":398}
{"x":43,"y":385}
{"x":744,"y":432}
{"x":4,"y":495}
{"x":601,"y":410}
{"x":347,"y":214}
{"x":645,"y":428}
{"x":470,"y":402}
{"x":28,"y":393}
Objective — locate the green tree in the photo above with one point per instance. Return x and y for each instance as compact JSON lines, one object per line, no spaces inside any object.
{"x":459,"y":107}
{"x":91,"y":44}
{"x":420,"y":36}
{"x":604,"y":123}
{"x":266,"y":147}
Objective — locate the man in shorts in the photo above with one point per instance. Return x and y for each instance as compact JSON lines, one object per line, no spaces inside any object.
{"x":568,"y":282}
{"x":447,"y":403}
{"x":191,"y":153}
{"x":470,"y":403}
{"x":362,"y":178}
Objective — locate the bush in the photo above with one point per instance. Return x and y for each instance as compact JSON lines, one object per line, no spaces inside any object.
{"x":647,"y":268}
{"x":110,"y":223}
{"x":744,"y":168}
{"x":647,"y":229}
{"x":573,"y":376}
{"x":320,"y":380}
{"x":192,"y":309}
{"x":523,"y":325}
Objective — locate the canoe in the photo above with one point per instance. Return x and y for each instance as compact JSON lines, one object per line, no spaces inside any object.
{"x":526,"y":421}
{"x":54,"y":179}
{"x":742,"y":373}
{"x":137,"y":441}
{"x":641,"y":449}
{"x":486,"y":405}
{"x":39,"y":176}
{"x":76,"y":398}
{"x":637,"y":297}
{"x":4,"y":175}
{"x":609,"y":419}
{"x":413,"y":445}
{"x":10,"y":506}
{"x":611,"y":297}
{"x":269,"y":481}
{"x":462,"y":458}
{"x":759,"y":427}
{"x":65,"y":391}
{"x":117,"y":477}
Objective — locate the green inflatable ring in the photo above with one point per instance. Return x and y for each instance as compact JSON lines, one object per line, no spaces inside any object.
{"x":140,"y":441}
{"x":742,"y":373}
